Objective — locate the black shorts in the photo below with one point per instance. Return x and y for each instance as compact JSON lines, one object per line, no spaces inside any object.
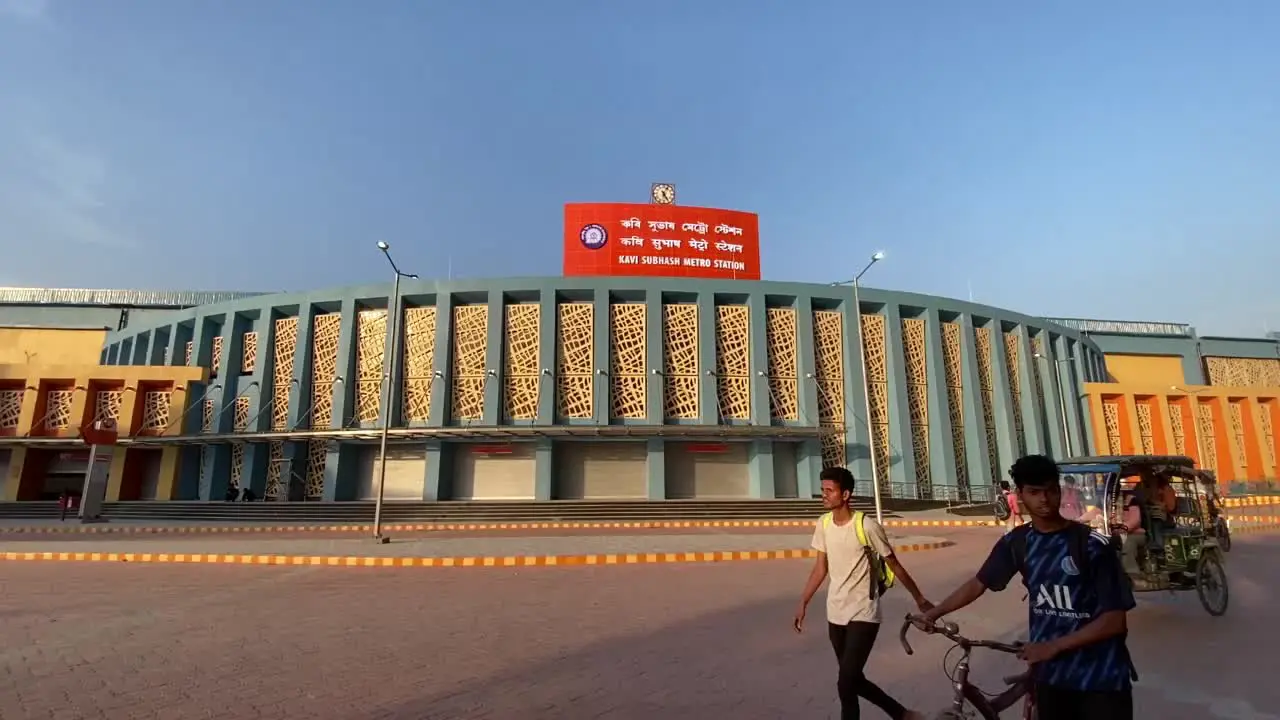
{"x":1053,"y":703}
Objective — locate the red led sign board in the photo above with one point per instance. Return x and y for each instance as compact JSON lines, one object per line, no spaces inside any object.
{"x":660,"y":241}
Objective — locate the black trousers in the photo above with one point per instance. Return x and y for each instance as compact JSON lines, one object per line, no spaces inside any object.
{"x":853,"y":643}
{"x":1059,"y":704}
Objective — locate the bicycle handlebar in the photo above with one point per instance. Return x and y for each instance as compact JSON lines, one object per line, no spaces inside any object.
{"x":951,"y":631}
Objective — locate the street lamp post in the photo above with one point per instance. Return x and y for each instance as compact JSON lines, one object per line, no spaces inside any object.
{"x":390,"y":363}
{"x":1195,"y":420}
{"x":866,"y":394}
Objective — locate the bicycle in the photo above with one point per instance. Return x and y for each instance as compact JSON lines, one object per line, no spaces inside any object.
{"x":987,"y":706}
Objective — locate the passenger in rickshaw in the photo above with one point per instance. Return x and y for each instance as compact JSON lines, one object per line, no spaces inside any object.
{"x":1157,"y":504}
{"x":1073,"y":504}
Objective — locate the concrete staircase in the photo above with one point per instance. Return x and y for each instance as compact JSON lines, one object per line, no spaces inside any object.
{"x":190,"y":513}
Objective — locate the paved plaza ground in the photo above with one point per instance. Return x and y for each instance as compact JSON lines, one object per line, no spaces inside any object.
{"x":697,"y":641}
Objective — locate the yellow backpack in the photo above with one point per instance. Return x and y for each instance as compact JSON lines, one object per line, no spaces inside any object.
{"x":880,"y":570}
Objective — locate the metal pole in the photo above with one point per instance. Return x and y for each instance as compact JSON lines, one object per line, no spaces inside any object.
{"x":1062,"y":402}
{"x":394,"y":312}
{"x":866,"y":395}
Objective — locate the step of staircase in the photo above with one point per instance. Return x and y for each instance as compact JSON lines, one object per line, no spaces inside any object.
{"x":185,"y":512}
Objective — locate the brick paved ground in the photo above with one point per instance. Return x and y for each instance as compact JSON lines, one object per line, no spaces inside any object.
{"x":676,"y":642}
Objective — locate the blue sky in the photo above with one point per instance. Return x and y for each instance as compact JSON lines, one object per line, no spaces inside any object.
{"x":1117,"y":160}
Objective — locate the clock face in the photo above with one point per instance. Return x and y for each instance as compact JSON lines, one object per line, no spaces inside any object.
{"x":664,"y":193}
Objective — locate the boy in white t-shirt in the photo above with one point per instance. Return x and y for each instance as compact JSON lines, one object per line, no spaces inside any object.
{"x":853,"y":602}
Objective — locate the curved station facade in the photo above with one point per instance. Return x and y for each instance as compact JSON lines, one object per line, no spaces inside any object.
{"x":659,"y":367}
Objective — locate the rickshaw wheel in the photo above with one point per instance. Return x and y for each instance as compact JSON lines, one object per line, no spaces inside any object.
{"x":1211,"y":584}
{"x":1224,"y":536}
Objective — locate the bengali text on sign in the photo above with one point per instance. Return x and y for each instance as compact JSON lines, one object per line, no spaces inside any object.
{"x":660,"y":240}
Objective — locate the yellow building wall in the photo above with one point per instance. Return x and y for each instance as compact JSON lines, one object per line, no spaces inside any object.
{"x":1146,"y":369}
{"x":1230,"y":430}
{"x":48,"y":346}
{"x":25,"y":398}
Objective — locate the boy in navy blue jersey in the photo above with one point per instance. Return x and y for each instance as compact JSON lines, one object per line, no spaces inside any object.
{"x":1078,"y":598}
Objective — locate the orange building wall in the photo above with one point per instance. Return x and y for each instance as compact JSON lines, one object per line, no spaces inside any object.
{"x":1146,"y":369}
{"x":1231,"y":430}
{"x":49,"y":346}
{"x":28,"y":410}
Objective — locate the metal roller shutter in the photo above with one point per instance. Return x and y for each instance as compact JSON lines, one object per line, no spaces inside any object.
{"x":406,"y":472}
{"x":481,"y":474}
{"x":693,"y":472}
{"x":784,"y":470}
{"x":601,"y":470}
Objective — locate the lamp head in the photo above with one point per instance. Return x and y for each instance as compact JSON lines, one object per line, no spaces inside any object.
{"x":383,"y":246}
{"x":877,"y":256}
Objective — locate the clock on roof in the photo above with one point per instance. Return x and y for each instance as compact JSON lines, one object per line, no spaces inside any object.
{"x":663,"y":193}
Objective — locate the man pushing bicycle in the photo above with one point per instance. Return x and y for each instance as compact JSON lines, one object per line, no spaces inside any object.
{"x":1078,"y":596}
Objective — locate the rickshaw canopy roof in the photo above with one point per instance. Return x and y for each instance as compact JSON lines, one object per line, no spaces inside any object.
{"x":1128,"y":464}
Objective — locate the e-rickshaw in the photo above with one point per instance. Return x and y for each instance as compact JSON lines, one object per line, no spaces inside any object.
{"x":1123,"y":497}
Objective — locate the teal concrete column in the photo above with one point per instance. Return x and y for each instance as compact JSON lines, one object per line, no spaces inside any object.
{"x":340,"y":481}
{"x":1033,"y":422}
{"x":808,"y":388}
{"x":709,"y":410}
{"x":760,"y":470}
{"x":549,"y":321}
{"x":761,"y":402}
{"x":159,"y":346}
{"x":432,"y":473}
{"x":188,"y":473}
{"x":942,"y":452}
{"x":441,"y":411}
{"x":293,"y":472}
{"x":902,"y":462}
{"x":1192,"y":367}
{"x":1051,"y":377}
{"x":601,"y":380}
{"x":201,"y":343}
{"x":493,"y":355}
{"x":1065,"y":361}
{"x":1006,"y":436}
{"x":977,"y":453}
{"x":392,"y":343}
{"x":1080,"y":401}
{"x":543,"y":465}
{"x":808,"y":468}
{"x":175,"y":354}
{"x":655,"y":388}
{"x":857,"y":447}
{"x":141,"y":347}
{"x":656,"y":467}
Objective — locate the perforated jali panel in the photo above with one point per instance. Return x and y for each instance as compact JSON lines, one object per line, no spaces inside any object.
{"x":1237,"y":430}
{"x":575,"y":360}
{"x":10,"y":408}
{"x":284,"y":344}
{"x":249,"y":352}
{"x":627,"y":366}
{"x":917,"y":372}
{"x":828,"y":372}
{"x":1209,"y":439}
{"x":275,"y":464}
{"x":780,"y":342}
{"x":188,"y":352}
{"x":1243,"y":372}
{"x":58,"y":409}
{"x":215,"y":356}
{"x":317,"y":452}
{"x":873,"y":337}
{"x":106,"y":405}
{"x":986,"y":392}
{"x":1262,"y":410}
{"x":371,"y":349}
{"x":952,"y":354}
{"x":470,"y":341}
{"x":419,"y":362}
{"x":155,"y":410}
{"x":237,"y":463}
{"x":1111,"y":419}
{"x":1037,"y":367}
{"x":522,"y":363}
{"x":208,"y":415}
{"x":680,"y":361}
{"x":1146,"y":430}
{"x":240,"y":419}
{"x":325,"y":332}
{"x":1177,"y":428}
{"x":733,"y":361}
{"x":1013,"y":365}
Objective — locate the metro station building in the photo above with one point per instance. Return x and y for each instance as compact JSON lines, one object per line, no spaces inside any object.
{"x":659,"y":379}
